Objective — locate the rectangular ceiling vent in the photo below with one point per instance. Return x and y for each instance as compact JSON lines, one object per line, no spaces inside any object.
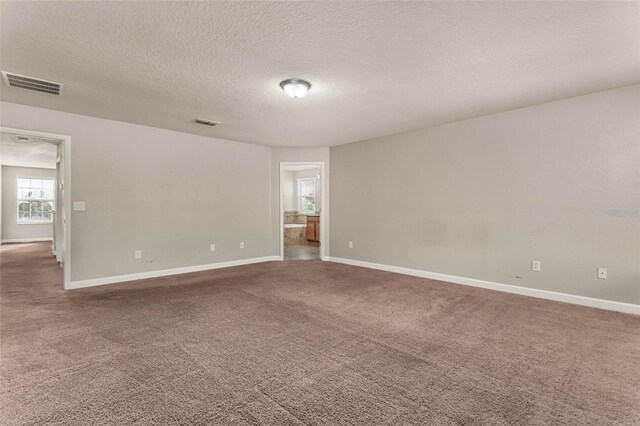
{"x":31,"y":83}
{"x":206,"y":122}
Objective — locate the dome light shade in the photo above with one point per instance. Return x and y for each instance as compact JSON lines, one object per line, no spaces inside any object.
{"x":295,"y":87}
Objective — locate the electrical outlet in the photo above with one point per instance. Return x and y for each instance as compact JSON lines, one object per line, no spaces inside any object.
{"x":602,"y":273}
{"x":241,"y":245}
{"x":350,"y":244}
{"x":212,"y":247}
{"x":78,"y":205}
{"x":536,"y":265}
{"x":138,"y":254}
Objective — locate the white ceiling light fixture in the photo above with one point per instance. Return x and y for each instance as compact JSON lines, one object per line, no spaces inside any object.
{"x":295,"y":87}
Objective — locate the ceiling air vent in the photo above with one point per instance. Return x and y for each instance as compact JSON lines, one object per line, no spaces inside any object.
{"x":206,"y":122}
{"x":31,"y":83}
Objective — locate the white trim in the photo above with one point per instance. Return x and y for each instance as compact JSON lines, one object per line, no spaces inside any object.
{"x":34,"y":223}
{"x":165,"y":272}
{"x":610,"y":305}
{"x":324,"y":213}
{"x":66,"y":201}
{"x":26,"y":240}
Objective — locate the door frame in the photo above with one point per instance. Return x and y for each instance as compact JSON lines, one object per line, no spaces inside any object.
{"x":324,"y":213}
{"x":66,"y":195}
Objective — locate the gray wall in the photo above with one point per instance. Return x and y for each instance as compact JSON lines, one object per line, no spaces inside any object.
{"x":10,"y":228}
{"x":166,"y":193}
{"x":482,"y":198}
{"x":479,"y":198}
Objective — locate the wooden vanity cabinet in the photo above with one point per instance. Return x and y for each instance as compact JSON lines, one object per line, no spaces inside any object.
{"x":313,"y":228}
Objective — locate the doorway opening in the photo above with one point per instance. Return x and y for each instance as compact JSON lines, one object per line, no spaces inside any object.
{"x":302,"y":216}
{"x":35,"y":202}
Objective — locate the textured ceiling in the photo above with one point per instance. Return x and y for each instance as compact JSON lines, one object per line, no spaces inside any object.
{"x":376,"y":68}
{"x":34,"y":153}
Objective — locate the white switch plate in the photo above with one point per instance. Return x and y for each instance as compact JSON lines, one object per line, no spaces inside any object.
{"x":138,"y":254}
{"x":242,"y":245}
{"x":602,"y":273}
{"x":78,"y":205}
{"x":212,"y":247}
{"x":350,"y":244}
{"x":536,"y":265}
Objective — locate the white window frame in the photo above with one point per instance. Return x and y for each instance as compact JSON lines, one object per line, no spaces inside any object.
{"x":315,"y":195}
{"x":19,"y":200}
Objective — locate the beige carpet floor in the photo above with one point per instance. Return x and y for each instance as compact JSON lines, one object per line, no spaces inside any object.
{"x":293,"y":343}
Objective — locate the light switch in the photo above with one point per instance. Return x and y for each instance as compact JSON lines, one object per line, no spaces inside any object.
{"x":78,"y":205}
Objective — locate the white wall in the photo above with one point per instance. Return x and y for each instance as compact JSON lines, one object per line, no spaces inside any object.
{"x":10,"y":228}
{"x":289,"y":191}
{"x":166,"y":193}
{"x":482,"y":198}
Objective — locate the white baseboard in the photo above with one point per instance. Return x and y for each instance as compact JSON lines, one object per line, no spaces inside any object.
{"x":25,"y":240}
{"x":164,"y":272}
{"x":610,"y":305}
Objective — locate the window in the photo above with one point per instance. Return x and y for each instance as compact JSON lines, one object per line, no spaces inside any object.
{"x":307,"y":195}
{"x":35,"y":200}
